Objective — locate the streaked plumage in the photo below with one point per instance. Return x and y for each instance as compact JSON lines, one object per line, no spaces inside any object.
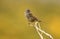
{"x":30,"y":17}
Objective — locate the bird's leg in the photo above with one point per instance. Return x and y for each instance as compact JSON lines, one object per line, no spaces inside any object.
{"x":31,"y":24}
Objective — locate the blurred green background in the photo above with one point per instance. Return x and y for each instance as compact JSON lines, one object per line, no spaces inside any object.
{"x":13,"y":24}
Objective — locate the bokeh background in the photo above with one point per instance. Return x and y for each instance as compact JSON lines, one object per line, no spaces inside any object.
{"x":13,"y":24}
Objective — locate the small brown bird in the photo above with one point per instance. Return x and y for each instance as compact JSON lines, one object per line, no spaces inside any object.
{"x":30,"y":17}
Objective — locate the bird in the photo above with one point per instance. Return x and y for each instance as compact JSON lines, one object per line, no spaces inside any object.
{"x":30,"y":16}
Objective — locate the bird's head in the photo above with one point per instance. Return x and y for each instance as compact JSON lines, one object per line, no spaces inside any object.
{"x":28,"y":11}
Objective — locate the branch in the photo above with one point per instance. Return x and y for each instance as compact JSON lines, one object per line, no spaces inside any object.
{"x":36,"y":27}
{"x":39,"y":29}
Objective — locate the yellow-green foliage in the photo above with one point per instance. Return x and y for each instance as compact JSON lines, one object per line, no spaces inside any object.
{"x":13,"y":24}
